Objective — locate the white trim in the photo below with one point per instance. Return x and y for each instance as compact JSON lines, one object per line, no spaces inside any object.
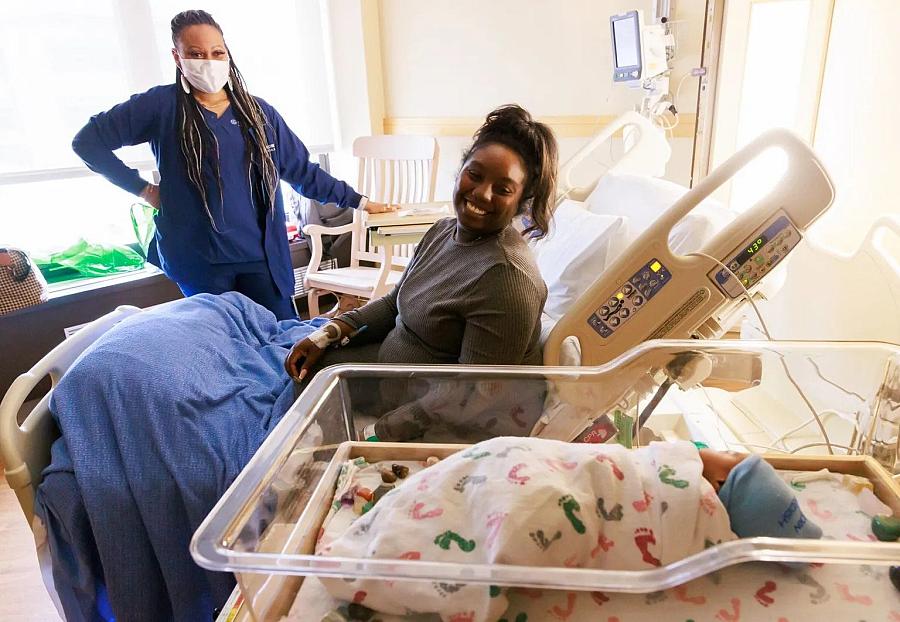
{"x":54,"y":174}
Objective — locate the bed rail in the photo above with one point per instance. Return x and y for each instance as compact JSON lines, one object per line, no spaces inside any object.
{"x":25,"y":446}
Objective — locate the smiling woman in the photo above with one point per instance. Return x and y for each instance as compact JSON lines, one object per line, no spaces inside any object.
{"x":472,"y":293}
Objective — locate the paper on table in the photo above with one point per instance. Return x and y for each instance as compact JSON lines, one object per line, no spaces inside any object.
{"x":423,"y":210}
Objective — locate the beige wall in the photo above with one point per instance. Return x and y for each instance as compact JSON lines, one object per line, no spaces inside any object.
{"x":446,"y":63}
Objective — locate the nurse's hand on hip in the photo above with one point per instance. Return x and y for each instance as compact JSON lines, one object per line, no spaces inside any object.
{"x":151,"y":195}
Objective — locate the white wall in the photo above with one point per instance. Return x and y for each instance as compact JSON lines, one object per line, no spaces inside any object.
{"x":858,"y":124}
{"x":462,"y":58}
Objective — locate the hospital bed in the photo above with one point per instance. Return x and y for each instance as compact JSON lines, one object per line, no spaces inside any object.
{"x":26,"y":446}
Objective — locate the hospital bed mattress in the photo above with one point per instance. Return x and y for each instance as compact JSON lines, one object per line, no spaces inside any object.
{"x":752,"y":591}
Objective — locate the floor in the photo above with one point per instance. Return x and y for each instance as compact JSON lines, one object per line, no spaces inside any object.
{"x":23,"y":597}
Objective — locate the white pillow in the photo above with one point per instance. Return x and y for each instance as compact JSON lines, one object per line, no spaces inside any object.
{"x":643,"y":199}
{"x":575,"y":252}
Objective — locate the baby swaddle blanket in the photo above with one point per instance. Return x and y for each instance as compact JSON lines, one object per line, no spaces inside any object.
{"x":534,"y":502}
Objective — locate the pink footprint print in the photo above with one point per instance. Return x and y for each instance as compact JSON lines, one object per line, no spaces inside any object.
{"x":869,"y":538}
{"x":643,"y":538}
{"x":359,"y":597}
{"x":494,"y":522}
{"x":823,"y":513}
{"x":599,"y":598}
{"x":514,"y":477}
{"x":708,"y":502}
{"x":682,"y":595}
{"x":563,"y":614}
{"x":603,"y":544}
{"x":617,"y":472}
{"x":425,"y":482}
{"x":731,"y":616}
{"x":410,"y":555}
{"x":762,"y":594}
{"x":644,"y":504}
{"x":844,"y":591}
{"x":463,"y":616}
{"x":559,"y":465}
{"x":417,"y":514}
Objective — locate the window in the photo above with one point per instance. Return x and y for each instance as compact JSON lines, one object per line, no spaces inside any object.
{"x":857,"y":125}
{"x":765,"y":85}
{"x":54,"y":77}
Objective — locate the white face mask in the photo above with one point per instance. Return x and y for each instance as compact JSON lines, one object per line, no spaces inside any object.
{"x":208,"y":76}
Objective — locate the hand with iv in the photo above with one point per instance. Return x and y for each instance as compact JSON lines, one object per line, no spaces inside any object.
{"x":307,"y":352}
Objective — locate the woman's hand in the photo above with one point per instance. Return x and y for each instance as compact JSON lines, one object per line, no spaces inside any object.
{"x":302,"y":356}
{"x":151,"y":195}
{"x":374,"y":207}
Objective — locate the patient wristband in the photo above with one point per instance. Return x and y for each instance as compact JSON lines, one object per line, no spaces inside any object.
{"x":323,"y":337}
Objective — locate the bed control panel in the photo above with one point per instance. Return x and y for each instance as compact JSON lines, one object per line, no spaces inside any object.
{"x":630,"y":298}
{"x":757,"y":256}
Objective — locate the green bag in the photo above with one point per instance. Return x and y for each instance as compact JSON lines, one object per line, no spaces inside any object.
{"x":84,"y":259}
{"x":144,"y":225}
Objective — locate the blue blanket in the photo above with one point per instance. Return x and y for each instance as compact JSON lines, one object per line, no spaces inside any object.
{"x":157,"y":418}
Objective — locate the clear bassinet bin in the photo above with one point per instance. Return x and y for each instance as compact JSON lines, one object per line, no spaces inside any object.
{"x":805,"y":405}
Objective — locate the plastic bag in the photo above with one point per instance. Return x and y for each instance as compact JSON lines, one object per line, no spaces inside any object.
{"x":144,"y":226}
{"x":84,"y":259}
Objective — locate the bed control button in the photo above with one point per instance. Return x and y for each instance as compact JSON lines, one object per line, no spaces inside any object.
{"x":604,"y":311}
{"x":614,"y":321}
{"x":628,"y":289}
{"x":625,"y":312}
{"x":638,"y":300}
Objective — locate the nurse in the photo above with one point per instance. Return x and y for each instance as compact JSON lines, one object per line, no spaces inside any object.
{"x":220,"y":153}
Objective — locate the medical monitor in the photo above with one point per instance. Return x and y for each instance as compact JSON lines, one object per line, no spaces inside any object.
{"x":626,"y":42}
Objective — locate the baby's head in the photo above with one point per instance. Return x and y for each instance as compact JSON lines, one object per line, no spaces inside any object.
{"x":758,"y":501}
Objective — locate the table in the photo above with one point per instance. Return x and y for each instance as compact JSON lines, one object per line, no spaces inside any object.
{"x":407,"y":225}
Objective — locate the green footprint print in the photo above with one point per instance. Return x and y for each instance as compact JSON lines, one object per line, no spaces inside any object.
{"x":476,"y":455}
{"x":448,"y":537}
{"x":570,"y":506}
{"x":542,"y":541}
{"x":615,"y":514}
{"x":666,"y":476}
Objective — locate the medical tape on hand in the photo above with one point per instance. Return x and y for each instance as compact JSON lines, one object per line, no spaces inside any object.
{"x":325,"y":336}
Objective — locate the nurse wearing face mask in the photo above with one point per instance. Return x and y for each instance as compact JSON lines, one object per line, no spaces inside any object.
{"x":220,"y":153}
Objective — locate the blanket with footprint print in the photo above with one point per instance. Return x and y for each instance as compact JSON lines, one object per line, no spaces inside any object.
{"x":532,"y":502}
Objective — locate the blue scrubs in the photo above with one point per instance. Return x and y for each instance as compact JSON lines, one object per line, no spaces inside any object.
{"x":247,"y":235}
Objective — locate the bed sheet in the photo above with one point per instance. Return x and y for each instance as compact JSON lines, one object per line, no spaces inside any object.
{"x":753,"y":591}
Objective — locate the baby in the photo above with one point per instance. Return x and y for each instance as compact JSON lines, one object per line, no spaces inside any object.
{"x":536,"y":502}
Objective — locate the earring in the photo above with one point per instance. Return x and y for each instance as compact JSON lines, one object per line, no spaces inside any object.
{"x":184,"y":85}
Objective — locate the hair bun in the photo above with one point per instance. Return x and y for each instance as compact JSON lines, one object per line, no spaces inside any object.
{"x":513,"y":126}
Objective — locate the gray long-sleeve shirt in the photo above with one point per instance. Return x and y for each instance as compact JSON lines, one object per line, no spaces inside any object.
{"x":474,"y":302}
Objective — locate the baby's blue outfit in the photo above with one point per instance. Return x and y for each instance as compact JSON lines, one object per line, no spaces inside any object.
{"x":760,"y":503}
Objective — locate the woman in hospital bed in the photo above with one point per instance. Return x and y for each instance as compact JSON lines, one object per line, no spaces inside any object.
{"x":472,"y":293}
{"x":536,"y":502}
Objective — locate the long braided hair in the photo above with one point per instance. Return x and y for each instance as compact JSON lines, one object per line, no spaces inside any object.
{"x":199,"y":144}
